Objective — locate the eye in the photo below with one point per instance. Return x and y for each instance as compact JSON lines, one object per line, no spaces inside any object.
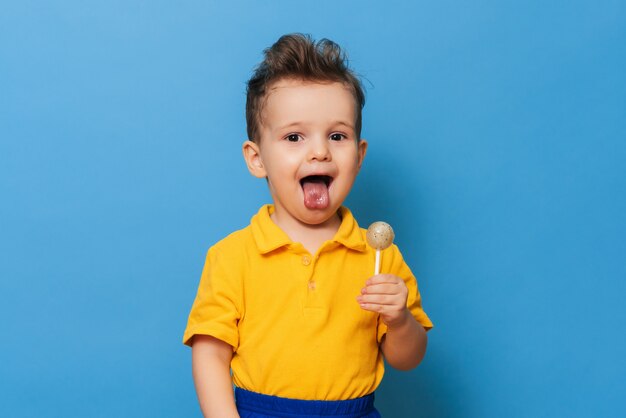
{"x":293,"y":137}
{"x":337,"y":137}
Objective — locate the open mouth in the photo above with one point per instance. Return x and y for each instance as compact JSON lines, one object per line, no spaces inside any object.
{"x":315,"y":189}
{"x":319,"y":179}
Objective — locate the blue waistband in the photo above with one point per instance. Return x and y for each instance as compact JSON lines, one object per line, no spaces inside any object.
{"x":275,"y":406}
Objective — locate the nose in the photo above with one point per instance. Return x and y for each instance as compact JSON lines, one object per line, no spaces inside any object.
{"x":320,"y":150}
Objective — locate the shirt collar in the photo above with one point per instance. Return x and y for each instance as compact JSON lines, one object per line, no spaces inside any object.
{"x":269,"y":237}
{"x":349,"y":234}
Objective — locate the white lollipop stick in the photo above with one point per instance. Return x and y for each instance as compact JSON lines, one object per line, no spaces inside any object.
{"x":377,"y":268}
{"x":379,"y":236}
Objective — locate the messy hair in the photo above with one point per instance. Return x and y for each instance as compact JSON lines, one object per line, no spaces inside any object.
{"x":298,"y":56}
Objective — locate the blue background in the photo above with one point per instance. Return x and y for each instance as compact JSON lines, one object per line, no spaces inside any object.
{"x":497,"y":137}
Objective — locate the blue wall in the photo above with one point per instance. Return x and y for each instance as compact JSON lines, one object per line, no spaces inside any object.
{"x":497,"y":137}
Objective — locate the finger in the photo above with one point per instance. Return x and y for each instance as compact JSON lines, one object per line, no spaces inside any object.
{"x":386,"y":311}
{"x":383,"y":289}
{"x":372,"y":307}
{"x":386,"y":300}
{"x":383,"y":278}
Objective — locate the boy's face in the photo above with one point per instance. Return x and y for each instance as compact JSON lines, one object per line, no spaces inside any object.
{"x":308,"y":149}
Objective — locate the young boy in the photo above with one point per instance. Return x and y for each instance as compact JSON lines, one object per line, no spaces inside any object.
{"x":288,"y":303}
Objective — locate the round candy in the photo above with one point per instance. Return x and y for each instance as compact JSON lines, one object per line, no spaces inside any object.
{"x":380,"y":235}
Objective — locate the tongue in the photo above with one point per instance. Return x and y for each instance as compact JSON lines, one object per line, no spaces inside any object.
{"x":315,"y":194}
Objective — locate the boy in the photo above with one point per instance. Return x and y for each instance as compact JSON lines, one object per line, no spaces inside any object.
{"x":288,"y":303}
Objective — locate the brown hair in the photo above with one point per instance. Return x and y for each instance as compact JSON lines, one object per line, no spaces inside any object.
{"x":299,"y":56}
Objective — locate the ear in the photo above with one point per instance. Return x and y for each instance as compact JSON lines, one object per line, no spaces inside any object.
{"x":252,"y":155}
{"x":361,"y":151}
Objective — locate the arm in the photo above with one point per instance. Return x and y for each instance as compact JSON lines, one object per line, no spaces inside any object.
{"x":404,"y":345}
{"x":211,"y":374}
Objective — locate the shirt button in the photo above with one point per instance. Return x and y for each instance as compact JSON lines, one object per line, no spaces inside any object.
{"x":311,"y":285}
{"x":306,"y":260}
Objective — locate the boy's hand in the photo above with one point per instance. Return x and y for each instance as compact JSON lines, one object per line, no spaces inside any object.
{"x":386,"y":294}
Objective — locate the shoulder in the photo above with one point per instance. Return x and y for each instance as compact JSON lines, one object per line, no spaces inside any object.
{"x":236,"y":243}
{"x":227,"y":259}
{"x":394,"y":262}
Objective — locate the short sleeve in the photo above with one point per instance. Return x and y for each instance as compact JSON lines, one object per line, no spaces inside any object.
{"x":217,"y":308}
{"x":393,"y":263}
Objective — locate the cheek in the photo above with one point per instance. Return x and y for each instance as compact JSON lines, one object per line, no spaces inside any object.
{"x":349,"y":173}
{"x":350,"y":163}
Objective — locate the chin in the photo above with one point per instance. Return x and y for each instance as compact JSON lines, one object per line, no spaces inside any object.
{"x":318,"y":216}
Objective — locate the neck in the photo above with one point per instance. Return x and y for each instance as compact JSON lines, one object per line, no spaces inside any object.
{"x":310,"y":236}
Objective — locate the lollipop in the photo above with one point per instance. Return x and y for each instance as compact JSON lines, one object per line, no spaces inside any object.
{"x":379,"y":236}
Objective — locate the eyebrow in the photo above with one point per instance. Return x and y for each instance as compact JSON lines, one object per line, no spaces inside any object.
{"x":335,"y":123}
{"x":347,"y":125}
{"x":289,"y":125}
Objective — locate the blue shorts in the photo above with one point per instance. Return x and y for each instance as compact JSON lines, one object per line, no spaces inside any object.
{"x":256,"y":405}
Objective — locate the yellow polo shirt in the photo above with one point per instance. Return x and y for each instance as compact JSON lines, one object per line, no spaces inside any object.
{"x":292,"y":318}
